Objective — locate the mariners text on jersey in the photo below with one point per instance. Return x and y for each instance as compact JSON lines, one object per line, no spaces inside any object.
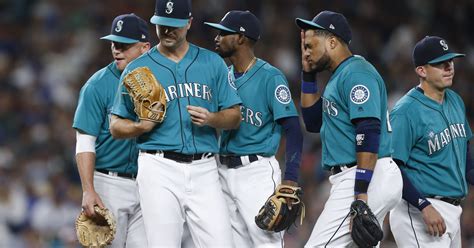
{"x":250,"y":116}
{"x":443,"y":138}
{"x":181,"y":90}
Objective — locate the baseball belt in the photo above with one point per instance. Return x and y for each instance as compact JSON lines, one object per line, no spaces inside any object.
{"x":117,"y":174}
{"x":235,"y":161}
{"x":342,"y":167}
{"x":180,"y":157}
{"x":450,"y":200}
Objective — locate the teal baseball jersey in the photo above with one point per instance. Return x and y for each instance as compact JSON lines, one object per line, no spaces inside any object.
{"x":266,"y":98}
{"x":431,"y":139}
{"x":355,"y":90}
{"x":93,"y":118}
{"x":199,"y":79}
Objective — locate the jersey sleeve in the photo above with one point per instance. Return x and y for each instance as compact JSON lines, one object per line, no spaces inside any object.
{"x":123,"y":105}
{"x":90,"y":112}
{"x":227,"y":93}
{"x":403,"y":136}
{"x":279,"y":98}
{"x":363,"y":95}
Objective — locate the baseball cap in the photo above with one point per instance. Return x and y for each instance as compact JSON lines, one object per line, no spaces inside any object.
{"x":172,"y":13}
{"x":333,"y":22}
{"x":432,"y":50}
{"x":237,"y":21}
{"x":128,"y":28}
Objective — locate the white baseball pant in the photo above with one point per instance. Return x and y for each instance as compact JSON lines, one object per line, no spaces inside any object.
{"x":246,"y":190}
{"x":409,"y":229}
{"x":172,"y":194}
{"x":120,"y":196}
{"x":385,"y":191}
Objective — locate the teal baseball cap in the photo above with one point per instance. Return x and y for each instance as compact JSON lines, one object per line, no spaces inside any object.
{"x":432,"y":50}
{"x":129,"y":29}
{"x":172,"y":13}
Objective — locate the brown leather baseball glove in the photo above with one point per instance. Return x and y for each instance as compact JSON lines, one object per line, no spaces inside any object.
{"x":281,"y":209}
{"x":98,"y":231}
{"x":147,"y":94}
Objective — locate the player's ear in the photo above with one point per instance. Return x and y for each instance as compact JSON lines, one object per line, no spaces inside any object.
{"x":421,"y":71}
{"x":333,"y":42}
{"x":145,"y":47}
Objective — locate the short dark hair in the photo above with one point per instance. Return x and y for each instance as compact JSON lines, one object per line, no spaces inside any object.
{"x":326,"y":33}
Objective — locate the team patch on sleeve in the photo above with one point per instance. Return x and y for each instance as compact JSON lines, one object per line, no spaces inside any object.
{"x":283,"y":94}
{"x":359,"y":94}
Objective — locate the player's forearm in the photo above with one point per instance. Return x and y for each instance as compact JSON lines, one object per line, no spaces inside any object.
{"x":309,"y":90}
{"x":125,"y":128}
{"x":86,"y":165}
{"x":366,"y":160}
{"x":227,"y":118}
{"x":294,"y":146}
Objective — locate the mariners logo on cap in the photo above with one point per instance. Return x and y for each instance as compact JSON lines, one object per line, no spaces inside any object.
{"x":169,"y":7}
{"x":359,"y":94}
{"x":444,"y":45}
{"x":283,"y":94}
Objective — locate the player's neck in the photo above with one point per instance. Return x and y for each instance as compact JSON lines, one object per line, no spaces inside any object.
{"x":242,"y":61}
{"x":339,"y":56}
{"x":175,"y":53}
{"x":432,"y":92}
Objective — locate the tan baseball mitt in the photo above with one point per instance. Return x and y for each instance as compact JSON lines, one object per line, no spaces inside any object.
{"x":278,"y":213}
{"x":147,"y":94}
{"x":98,"y":231}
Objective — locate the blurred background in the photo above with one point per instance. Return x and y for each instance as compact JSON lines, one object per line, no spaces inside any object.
{"x":49,"y":48}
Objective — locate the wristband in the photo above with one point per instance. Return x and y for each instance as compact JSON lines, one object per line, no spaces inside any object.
{"x":362,"y":181}
{"x":309,"y":87}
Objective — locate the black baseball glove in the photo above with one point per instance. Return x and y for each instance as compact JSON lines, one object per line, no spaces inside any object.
{"x":366,"y":231}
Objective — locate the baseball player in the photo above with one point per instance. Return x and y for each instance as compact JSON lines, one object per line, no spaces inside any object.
{"x":249,"y":171}
{"x":430,"y":143}
{"x":177,"y":178}
{"x":351,"y":116}
{"x":108,"y":167}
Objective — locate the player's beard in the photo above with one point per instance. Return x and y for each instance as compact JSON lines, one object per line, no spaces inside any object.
{"x":323,"y":63}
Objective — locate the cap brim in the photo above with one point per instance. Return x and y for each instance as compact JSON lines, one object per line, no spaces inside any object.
{"x":446,"y":57}
{"x":307,"y":24}
{"x":170,"y":22}
{"x":121,"y":39}
{"x":220,"y":27}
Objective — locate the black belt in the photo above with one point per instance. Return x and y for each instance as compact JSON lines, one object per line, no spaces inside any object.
{"x":180,"y":157}
{"x":118,"y":174}
{"x":235,"y":161}
{"x":339,"y":168}
{"x":452,"y":201}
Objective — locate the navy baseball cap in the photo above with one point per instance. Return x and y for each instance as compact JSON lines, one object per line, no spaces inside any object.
{"x":432,"y":50}
{"x":172,"y":13}
{"x":237,"y":21}
{"x":128,"y":28}
{"x":333,"y":22}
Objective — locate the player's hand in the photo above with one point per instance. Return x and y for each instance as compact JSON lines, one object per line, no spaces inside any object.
{"x":199,"y":115}
{"x":306,"y":65}
{"x":434,"y":221}
{"x":289,"y":183}
{"x":364,"y":197}
{"x":89,"y":200}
